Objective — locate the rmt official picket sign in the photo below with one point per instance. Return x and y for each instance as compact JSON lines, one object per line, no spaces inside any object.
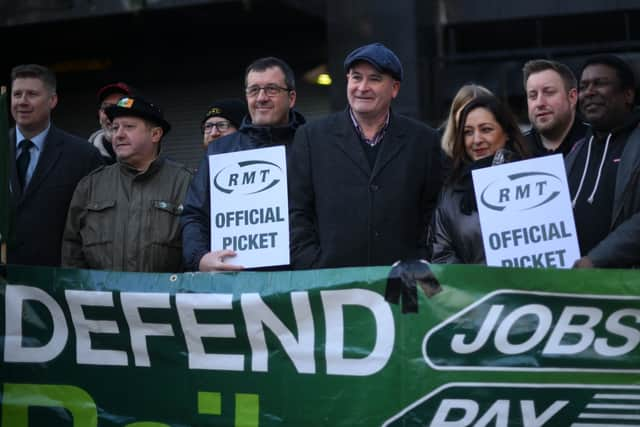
{"x":249,"y":206}
{"x":525,"y":214}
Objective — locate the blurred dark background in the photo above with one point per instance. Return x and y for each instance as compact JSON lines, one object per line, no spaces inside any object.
{"x":183,"y":54}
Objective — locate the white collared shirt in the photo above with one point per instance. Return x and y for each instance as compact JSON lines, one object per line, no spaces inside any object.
{"x":35,"y":151}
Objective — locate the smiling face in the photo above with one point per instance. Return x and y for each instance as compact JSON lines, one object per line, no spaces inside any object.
{"x":369,"y":91}
{"x":135,"y":141}
{"x":483,"y":135}
{"x":551,"y":106}
{"x":31,"y":105}
{"x":604,"y":103}
{"x":266,"y":110}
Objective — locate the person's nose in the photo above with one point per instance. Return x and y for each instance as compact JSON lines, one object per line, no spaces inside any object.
{"x":587,"y":89}
{"x":537,"y":102}
{"x":363,"y":85}
{"x":476,"y":137}
{"x":117,"y":131}
{"x":262,"y":95}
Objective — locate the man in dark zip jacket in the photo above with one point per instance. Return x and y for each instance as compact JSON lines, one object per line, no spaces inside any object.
{"x":603,"y":169}
{"x":271,"y":96}
{"x":552,"y":94}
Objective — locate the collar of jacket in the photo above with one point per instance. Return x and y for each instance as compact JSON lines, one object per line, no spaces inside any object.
{"x":274,"y":135}
{"x":132,"y":172}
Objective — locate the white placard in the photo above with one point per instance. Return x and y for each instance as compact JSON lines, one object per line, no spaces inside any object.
{"x":249,"y":206}
{"x":525,"y":214}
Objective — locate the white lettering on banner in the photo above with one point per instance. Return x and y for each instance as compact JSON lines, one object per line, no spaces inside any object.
{"x":132,"y":302}
{"x":574,"y":322}
{"x":14,"y":350}
{"x":333,"y":302}
{"x":498,"y":414}
{"x":614,"y":326}
{"x":544,"y":321}
{"x":301,"y":351}
{"x":187,"y":304}
{"x":256,"y":315}
{"x":501,"y":339}
{"x":85,"y":353}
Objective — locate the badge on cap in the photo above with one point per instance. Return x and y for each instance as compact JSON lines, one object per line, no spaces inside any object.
{"x":214,"y":110}
{"x":125,"y":103}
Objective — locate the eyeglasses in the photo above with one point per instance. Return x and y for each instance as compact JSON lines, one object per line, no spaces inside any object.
{"x":269,"y":90}
{"x":221,"y":126}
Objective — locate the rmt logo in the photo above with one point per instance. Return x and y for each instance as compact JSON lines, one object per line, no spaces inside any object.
{"x":522,"y":405}
{"x":521,"y":191}
{"x":248,"y":177}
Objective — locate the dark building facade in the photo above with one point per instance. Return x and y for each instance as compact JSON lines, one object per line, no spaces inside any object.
{"x":183,"y":54}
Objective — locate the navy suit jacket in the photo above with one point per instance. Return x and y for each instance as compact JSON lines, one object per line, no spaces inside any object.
{"x":38,"y":214}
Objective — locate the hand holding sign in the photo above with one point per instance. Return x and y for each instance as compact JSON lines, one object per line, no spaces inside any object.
{"x":215,"y":261}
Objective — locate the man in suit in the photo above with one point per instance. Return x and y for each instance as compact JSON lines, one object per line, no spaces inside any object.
{"x":363,"y":182}
{"x":48,"y":164}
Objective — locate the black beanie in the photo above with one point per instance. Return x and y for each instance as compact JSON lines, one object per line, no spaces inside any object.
{"x":233,"y":110}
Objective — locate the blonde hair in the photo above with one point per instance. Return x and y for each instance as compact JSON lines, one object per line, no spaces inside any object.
{"x":465,"y":94}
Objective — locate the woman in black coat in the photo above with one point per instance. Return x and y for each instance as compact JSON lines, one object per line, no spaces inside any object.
{"x":488,"y":134}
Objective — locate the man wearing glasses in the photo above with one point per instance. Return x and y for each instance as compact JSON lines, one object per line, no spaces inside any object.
{"x":107,"y":96}
{"x":223,"y":117}
{"x":271,"y":95}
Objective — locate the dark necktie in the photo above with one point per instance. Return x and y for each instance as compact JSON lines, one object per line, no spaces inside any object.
{"x":22,"y":162}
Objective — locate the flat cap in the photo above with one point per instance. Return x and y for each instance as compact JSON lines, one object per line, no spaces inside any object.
{"x":378,"y":55}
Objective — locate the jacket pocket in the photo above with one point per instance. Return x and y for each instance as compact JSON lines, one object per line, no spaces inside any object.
{"x":165,"y":222}
{"x":167,"y":237}
{"x":98,"y":232}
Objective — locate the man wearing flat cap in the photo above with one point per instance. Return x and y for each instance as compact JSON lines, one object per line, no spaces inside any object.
{"x":363,"y":182}
{"x":223,"y":117}
{"x":107,"y":96}
{"x":125,"y":217}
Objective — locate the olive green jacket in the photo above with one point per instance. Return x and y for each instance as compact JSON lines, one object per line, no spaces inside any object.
{"x":123,"y":220}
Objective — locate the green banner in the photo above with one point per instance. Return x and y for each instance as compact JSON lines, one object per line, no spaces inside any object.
{"x":489,"y":347}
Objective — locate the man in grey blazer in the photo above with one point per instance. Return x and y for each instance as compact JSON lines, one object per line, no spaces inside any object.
{"x":363,"y":182}
{"x":45,"y":165}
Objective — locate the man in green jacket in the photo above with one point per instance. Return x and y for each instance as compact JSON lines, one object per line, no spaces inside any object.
{"x":125,"y":217}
